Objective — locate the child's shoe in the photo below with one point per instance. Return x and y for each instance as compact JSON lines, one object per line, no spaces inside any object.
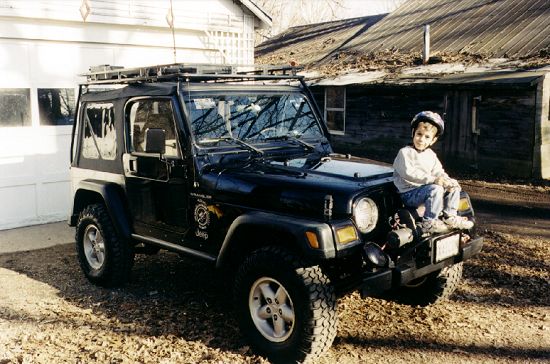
{"x":434,"y":226}
{"x":458,"y":222}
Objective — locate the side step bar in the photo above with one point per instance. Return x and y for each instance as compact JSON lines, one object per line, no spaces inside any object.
{"x":174,"y":247}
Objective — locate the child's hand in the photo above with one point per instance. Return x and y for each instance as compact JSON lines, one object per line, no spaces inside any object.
{"x":440,"y":181}
{"x":451,"y":184}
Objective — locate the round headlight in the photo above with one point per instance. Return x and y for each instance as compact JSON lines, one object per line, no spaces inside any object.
{"x":365,"y":215}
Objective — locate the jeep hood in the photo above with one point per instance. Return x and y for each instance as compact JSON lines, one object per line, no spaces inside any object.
{"x":299,"y":185}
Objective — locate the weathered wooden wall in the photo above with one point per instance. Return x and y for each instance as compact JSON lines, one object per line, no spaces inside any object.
{"x":378,"y":119}
{"x":378,"y":124}
{"x":503,"y":140}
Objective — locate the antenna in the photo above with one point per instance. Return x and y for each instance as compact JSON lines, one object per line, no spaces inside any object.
{"x":170,"y":21}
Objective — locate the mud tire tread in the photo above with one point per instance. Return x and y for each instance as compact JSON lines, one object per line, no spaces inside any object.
{"x":119,"y":257}
{"x":315,"y":336}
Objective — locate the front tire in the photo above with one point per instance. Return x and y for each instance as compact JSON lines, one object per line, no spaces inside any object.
{"x":286,"y":309}
{"x":105,"y":258}
{"x":432,"y":289}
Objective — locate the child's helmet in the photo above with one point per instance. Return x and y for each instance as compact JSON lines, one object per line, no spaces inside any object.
{"x":429,"y":117}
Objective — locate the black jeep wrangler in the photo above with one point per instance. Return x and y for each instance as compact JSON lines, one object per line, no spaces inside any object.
{"x":234,"y":167}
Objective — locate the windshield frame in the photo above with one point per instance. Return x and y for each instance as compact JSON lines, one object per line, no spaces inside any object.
{"x":224,"y":145}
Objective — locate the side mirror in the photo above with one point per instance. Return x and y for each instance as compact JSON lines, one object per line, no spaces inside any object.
{"x":155,"y":141}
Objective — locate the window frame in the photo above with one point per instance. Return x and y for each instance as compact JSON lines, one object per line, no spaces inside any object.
{"x":29,"y":95}
{"x":100,"y":156}
{"x":193,"y":96}
{"x":128,"y":132}
{"x":474,"y":115}
{"x":74,"y":106}
{"x":336,"y":109}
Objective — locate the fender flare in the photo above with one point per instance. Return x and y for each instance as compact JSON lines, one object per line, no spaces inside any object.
{"x":288,"y":224}
{"x":112,"y":195}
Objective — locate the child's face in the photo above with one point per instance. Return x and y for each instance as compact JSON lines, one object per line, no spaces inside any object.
{"x":424,"y":137}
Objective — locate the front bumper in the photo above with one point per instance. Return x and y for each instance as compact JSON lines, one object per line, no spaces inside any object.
{"x":404,"y":271}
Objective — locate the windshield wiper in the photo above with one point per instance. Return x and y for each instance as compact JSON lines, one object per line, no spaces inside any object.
{"x":239,"y":142}
{"x":292,"y":139}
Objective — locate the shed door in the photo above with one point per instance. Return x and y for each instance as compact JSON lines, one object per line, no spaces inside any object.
{"x":460,"y":142}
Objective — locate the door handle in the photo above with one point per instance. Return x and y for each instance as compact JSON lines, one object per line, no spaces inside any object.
{"x":130,"y":164}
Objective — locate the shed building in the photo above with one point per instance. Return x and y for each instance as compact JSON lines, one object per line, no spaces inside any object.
{"x":488,"y":76}
{"x":496,"y":123}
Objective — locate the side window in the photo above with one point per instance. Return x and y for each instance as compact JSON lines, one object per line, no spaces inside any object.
{"x":99,"y":139}
{"x":335,"y":109}
{"x":152,"y":114}
{"x":15,"y":107}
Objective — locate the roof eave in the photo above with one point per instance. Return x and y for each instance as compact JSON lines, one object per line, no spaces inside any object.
{"x":265,"y":19}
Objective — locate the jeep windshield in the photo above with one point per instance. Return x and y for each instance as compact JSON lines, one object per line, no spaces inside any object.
{"x":253,"y":118}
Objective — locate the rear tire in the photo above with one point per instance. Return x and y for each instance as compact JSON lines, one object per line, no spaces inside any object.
{"x":286,"y":309}
{"x":432,"y":289}
{"x":105,"y":258}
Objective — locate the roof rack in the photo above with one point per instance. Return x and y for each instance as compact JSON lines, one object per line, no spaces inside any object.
{"x":107,"y":74}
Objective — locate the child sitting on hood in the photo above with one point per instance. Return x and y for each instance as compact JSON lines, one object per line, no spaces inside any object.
{"x":421,"y":179}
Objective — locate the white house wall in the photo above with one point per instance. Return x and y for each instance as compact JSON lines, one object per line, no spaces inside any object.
{"x":219,"y":26}
{"x":49,"y":53}
{"x":188,"y":14}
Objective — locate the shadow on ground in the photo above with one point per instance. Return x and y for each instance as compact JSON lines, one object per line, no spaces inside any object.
{"x":485,"y":351}
{"x":167,"y":295}
{"x":519,"y":267}
{"x":170,"y":295}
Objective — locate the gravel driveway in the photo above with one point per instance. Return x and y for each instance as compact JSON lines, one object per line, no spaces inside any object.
{"x":176,"y":310}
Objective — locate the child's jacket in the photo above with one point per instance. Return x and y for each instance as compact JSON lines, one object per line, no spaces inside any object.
{"x":413,"y":169}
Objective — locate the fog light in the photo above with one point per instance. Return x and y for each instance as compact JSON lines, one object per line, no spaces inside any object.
{"x":346,"y":234}
{"x":375,"y":255}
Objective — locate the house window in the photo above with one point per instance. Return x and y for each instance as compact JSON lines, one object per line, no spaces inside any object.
{"x":475,"y":115}
{"x":335,"y":109}
{"x":152,"y":114}
{"x":56,"y":106}
{"x":15,"y":107}
{"x":99,"y":140}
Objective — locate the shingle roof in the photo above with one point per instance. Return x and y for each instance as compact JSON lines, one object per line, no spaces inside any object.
{"x":311,"y":43}
{"x":459,"y":29}
{"x":497,"y":28}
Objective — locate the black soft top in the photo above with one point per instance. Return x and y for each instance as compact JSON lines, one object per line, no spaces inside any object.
{"x":146,"y":89}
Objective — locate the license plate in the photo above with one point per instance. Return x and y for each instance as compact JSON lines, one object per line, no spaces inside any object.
{"x":446,"y":247}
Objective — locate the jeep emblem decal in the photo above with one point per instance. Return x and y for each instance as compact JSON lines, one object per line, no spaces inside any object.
{"x":202,"y":216}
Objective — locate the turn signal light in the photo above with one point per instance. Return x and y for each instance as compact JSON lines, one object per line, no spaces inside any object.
{"x":464,"y":204}
{"x":312,"y":239}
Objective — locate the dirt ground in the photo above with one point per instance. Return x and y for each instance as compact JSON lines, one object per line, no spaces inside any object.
{"x":177,"y":311}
